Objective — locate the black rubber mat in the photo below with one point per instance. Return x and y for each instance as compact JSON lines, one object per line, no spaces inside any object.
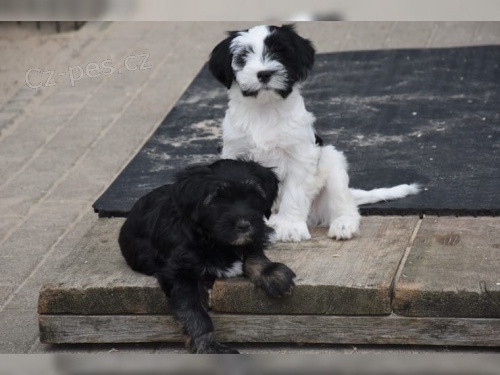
{"x":430,"y":116}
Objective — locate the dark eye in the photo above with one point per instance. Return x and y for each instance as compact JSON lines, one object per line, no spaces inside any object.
{"x":257,"y":200}
{"x":241,"y":57}
{"x":215,"y":199}
{"x":240,"y":60}
{"x":260,"y":191}
{"x":279,"y":50}
{"x":209,"y":199}
{"x":220,"y":198}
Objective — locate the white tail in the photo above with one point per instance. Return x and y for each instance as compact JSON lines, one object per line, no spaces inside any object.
{"x":383,"y":194}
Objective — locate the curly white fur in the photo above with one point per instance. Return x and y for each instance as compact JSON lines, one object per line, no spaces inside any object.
{"x":277,"y":132}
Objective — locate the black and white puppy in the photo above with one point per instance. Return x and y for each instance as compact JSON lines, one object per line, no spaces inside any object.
{"x":208,"y":224}
{"x":267,"y":121}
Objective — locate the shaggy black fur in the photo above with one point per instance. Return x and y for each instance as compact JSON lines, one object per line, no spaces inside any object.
{"x":200,"y":228}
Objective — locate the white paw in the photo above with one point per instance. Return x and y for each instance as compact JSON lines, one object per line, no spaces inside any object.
{"x":288,"y":231}
{"x":344,"y":227}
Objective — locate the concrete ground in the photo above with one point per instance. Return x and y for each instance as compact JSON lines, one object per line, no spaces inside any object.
{"x":65,"y":139}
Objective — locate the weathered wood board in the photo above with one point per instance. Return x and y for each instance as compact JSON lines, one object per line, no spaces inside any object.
{"x":333,"y":277}
{"x":96,"y":280}
{"x":447,"y":288}
{"x":453,"y":270}
{"x":312,"y":329}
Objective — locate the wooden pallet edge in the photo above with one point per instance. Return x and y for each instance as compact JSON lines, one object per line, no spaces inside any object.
{"x":311,"y":329}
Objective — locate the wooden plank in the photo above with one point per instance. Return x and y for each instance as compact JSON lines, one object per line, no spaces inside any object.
{"x":452,"y":269}
{"x":96,"y":280}
{"x":333,"y":277}
{"x":313,"y":329}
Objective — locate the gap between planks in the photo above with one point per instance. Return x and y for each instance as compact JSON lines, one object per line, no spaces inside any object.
{"x":402,"y":263}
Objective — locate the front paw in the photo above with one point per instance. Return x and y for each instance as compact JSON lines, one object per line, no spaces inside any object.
{"x":344,"y":227}
{"x":289,"y":231}
{"x":276,"y":280}
{"x":206,"y":344}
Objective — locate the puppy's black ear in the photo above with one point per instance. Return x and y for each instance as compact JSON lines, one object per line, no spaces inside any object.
{"x":220,"y":61}
{"x":304,"y":50}
{"x":269,"y":182}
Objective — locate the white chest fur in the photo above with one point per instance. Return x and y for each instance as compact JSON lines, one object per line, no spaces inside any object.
{"x":235,"y":270}
{"x":267,"y":128}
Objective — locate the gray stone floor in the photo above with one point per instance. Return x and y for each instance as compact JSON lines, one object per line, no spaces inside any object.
{"x":63,"y":143}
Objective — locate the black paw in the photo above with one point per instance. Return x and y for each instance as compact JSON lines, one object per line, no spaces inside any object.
{"x":277,"y":280}
{"x":206,"y":344}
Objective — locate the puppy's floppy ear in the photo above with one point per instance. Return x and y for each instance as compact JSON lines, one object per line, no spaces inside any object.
{"x":304,"y":49}
{"x":221,"y":59}
{"x":268,"y":180}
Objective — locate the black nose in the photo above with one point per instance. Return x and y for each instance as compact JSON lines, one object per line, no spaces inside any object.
{"x":264,"y":76}
{"x":243,"y":226}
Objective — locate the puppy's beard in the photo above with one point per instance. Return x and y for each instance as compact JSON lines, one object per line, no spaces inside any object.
{"x":243,"y":239}
{"x":277,"y":82}
{"x":225,"y":231}
{"x":251,"y":86}
{"x":267,"y":96}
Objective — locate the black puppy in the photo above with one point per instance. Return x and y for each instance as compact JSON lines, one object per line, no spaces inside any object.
{"x":208,"y":224}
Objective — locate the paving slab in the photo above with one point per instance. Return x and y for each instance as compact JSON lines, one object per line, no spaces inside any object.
{"x":29,"y":244}
{"x":47,"y":271}
{"x":452,"y":270}
{"x":26,"y":326}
